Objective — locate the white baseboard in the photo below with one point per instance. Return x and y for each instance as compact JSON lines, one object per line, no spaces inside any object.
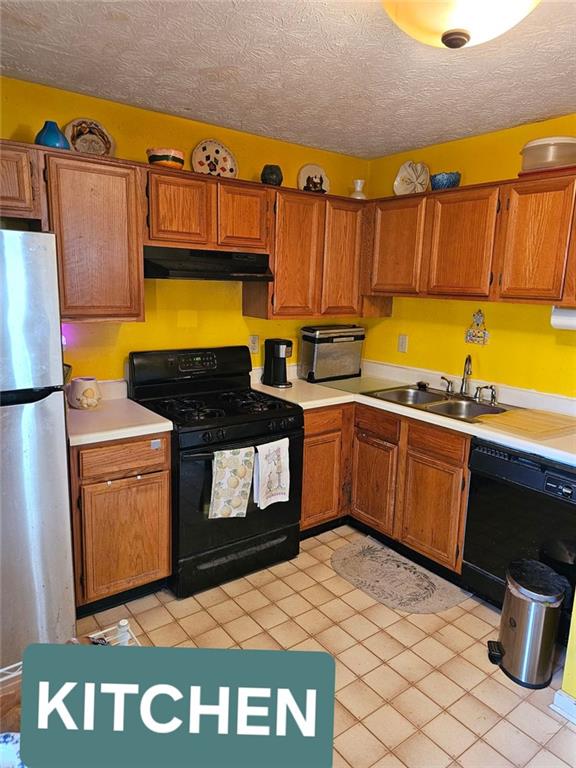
{"x":564,"y":705}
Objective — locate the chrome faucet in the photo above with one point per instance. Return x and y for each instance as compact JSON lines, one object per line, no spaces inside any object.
{"x":491,"y":388}
{"x":449,"y":385}
{"x":466,"y":375}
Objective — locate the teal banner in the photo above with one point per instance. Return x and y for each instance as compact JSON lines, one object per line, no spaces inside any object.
{"x":96,"y":706}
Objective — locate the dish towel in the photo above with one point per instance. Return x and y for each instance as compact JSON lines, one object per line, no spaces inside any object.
{"x":272,"y":473}
{"x":231,"y":480}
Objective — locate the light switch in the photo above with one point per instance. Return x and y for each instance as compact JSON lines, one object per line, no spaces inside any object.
{"x":254,"y":344}
{"x":402,"y":342}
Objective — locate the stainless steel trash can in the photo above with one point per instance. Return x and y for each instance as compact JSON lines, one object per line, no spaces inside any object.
{"x":529,"y":623}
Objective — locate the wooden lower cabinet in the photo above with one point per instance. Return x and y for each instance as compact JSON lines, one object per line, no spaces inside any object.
{"x":121,"y":516}
{"x":327,"y":467}
{"x":410,"y":483}
{"x":126,"y":537}
{"x":374,"y":479}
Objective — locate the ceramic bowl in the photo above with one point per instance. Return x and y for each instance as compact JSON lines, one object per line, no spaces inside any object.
{"x":170,"y":158}
{"x":83,"y":393}
{"x":445,"y":180}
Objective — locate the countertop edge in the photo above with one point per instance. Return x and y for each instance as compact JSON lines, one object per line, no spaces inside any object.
{"x":119,"y":434}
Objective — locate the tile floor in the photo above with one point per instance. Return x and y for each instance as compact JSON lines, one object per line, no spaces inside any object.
{"x":413,"y":690}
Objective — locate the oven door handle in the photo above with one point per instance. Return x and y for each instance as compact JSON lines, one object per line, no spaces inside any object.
{"x":197,"y":456}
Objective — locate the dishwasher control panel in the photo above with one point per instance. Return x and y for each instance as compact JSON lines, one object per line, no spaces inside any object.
{"x":559,"y":486}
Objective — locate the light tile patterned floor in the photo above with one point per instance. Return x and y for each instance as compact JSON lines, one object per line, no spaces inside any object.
{"x":413,"y":690}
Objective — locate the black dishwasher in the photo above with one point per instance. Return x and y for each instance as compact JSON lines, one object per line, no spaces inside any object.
{"x":518,"y":504}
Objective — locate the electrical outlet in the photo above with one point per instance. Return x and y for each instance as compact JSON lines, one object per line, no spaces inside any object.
{"x":254,"y":344}
{"x":402,"y":342}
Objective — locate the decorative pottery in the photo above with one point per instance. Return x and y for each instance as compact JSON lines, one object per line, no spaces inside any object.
{"x":271,"y":174}
{"x":51,"y":136}
{"x":313,"y":178}
{"x":214,"y":159}
{"x":412,"y":178}
{"x":83,"y":393}
{"x":89,"y":136}
{"x":170,"y":158}
{"x":445,"y":180}
{"x":359,"y":189}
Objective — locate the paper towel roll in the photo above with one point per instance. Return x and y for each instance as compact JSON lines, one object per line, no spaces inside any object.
{"x":563,"y":319}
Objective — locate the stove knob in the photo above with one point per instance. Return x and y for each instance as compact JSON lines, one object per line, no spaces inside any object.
{"x":207,"y":436}
{"x":283,"y":423}
{"x":271,"y":426}
{"x":221,"y":434}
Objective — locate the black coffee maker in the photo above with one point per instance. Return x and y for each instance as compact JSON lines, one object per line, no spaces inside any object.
{"x":276,"y":351}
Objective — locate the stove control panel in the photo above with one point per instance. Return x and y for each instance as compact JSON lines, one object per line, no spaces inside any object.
{"x":196,"y":362}
{"x":279,"y":425}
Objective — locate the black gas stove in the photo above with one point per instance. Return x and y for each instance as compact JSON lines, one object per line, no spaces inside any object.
{"x":206,"y":393}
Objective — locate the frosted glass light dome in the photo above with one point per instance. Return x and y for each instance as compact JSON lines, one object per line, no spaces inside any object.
{"x":455,"y":23}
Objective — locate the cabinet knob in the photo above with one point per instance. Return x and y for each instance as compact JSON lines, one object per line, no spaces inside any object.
{"x":108,"y":482}
{"x":138,"y":477}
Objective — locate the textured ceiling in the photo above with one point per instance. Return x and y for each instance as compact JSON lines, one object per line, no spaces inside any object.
{"x":335,"y":74}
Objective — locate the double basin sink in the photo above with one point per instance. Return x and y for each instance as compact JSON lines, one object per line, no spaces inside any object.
{"x":435,"y":401}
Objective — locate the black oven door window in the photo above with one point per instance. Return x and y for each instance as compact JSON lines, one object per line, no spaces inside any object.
{"x":197,"y":533}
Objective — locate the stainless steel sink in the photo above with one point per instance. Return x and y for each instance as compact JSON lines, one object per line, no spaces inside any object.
{"x":409,"y":396}
{"x":466,"y":410}
{"x":436,"y":401}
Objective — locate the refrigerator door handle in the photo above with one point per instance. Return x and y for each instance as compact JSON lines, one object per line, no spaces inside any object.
{"x":26,"y":396}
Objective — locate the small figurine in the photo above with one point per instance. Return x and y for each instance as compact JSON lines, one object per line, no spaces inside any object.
{"x":314,"y":184}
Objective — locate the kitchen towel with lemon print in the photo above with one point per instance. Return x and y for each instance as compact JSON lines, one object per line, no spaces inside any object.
{"x":231,"y":481}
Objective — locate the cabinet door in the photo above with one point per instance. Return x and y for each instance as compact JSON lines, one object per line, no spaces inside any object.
{"x":94,"y":213}
{"x":535,"y":238}
{"x":321,"y":479}
{"x":461,"y":228}
{"x":180,"y":209}
{"x":374,"y":481}
{"x":431,"y":507}
{"x":126,"y":533}
{"x":298,"y":253}
{"x":243,"y":220}
{"x":398,"y":243}
{"x":341,"y":268}
{"x":16,"y":190}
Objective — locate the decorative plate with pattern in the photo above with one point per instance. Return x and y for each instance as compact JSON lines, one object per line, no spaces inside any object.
{"x":412,"y":178}
{"x":213,"y":158}
{"x":313,"y":178}
{"x":86,"y":135}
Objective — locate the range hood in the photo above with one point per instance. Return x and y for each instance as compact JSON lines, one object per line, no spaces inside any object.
{"x":186,"y":264}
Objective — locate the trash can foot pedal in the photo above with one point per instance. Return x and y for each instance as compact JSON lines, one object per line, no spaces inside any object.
{"x":495,"y":651}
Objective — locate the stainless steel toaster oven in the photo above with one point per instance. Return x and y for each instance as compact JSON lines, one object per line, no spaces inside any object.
{"x":329,"y":352}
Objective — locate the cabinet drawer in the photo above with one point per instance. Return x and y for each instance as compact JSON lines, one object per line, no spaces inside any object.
{"x":320,"y":420}
{"x":124,"y":458}
{"x":383,"y":425}
{"x":436,"y":441}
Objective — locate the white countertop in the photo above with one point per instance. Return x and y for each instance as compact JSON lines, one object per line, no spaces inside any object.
{"x":114,"y":419}
{"x":561,"y":449}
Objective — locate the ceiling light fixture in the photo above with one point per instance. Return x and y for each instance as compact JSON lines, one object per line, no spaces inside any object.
{"x":457,"y":23}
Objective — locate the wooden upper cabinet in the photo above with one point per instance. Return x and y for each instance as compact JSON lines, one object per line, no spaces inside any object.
{"x":298,"y":253}
{"x":398,"y":243}
{"x":17,"y":196}
{"x":461,"y":227}
{"x":94,"y":214}
{"x":180,"y":209}
{"x":535,"y":237}
{"x":244,"y":216}
{"x":342,"y":251}
{"x":374,"y":481}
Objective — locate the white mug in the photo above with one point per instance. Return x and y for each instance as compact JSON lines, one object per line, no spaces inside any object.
{"x":84,"y":393}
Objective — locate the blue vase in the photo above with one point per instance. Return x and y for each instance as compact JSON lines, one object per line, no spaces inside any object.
{"x":51,"y":136}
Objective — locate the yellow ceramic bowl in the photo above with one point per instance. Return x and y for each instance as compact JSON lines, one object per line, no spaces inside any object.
{"x":169,"y":158}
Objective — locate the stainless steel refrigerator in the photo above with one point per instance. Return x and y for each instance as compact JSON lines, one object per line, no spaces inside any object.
{"x":36,"y":581}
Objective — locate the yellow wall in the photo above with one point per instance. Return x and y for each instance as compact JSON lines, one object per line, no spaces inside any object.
{"x":178,"y":313}
{"x":523,"y":350}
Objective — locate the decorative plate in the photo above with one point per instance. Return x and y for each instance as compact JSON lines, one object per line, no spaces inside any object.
{"x":86,"y":135}
{"x":215,"y":159}
{"x":313,"y":178}
{"x":412,"y":178}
